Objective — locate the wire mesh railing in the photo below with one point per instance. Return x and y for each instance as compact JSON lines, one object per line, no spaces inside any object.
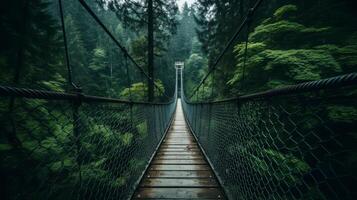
{"x":93,"y":141}
{"x":296,"y":142}
{"x":269,"y":118}
{"x":73,"y":146}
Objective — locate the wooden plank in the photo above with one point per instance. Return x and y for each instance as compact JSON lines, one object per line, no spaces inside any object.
{"x":178,"y":157}
{"x":172,"y":182}
{"x":179,"y":150}
{"x":180,"y":140}
{"x":181,"y":130}
{"x":179,"y":136}
{"x":179,"y":174}
{"x":179,"y":193}
{"x":177,"y":143}
{"x":179,"y":147}
{"x":188,"y":153}
{"x":180,"y":167}
{"x":179,"y":170}
{"x":180,"y":162}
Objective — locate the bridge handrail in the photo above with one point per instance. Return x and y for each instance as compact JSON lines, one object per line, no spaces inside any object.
{"x":310,"y":86}
{"x":7,"y":91}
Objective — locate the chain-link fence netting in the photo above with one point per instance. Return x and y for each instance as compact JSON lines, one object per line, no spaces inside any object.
{"x":51,"y":149}
{"x":284,"y":147}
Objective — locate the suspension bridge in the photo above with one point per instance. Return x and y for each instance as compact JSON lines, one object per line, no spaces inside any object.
{"x":273,"y":144}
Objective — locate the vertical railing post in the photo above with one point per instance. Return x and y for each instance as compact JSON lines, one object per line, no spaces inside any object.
{"x":151,"y":79}
{"x":77,"y":103}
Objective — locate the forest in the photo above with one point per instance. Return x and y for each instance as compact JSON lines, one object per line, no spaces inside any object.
{"x":286,"y":42}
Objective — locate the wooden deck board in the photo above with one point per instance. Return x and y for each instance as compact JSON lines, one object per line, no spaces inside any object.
{"x":178,"y":182}
{"x":179,"y":174}
{"x":178,"y":157}
{"x":179,"y":169}
{"x":180,"y":162}
{"x":178,"y":193}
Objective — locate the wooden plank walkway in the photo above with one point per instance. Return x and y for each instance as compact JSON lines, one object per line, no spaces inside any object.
{"x":179,"y":169}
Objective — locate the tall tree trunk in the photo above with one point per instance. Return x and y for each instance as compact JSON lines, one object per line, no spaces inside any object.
{"x":150,"y":50}
{"x":12,"y":135}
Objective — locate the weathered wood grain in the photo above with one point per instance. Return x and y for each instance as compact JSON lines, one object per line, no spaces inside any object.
{"x":179,"y":169}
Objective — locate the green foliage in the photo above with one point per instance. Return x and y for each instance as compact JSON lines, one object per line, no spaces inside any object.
{"x":119,"y":182}
{"x":282,"y":67}
{"x":136,"y":164}
{"x":286,"y":49}
{"x":57,"y":167}
{"x":139,"y":50}
{"x":57,"y":84}
{"x":127,"y":138}
{"x":99,"y":59}
{"x":43,"y":155}
{"x":269,"y":163}
{"x":194,"y":70}
{"x":77,"y":52}
{"x":346,"y":114}
{"x":284,"y":11}
{"x":279,"y":55}
{"x":138,"y":91}
{"x":285,"y":34}
{"x":346,"y":55}
{"x":142,"y":129}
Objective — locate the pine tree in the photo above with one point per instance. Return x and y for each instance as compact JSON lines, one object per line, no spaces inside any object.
{"x":31,"y":44}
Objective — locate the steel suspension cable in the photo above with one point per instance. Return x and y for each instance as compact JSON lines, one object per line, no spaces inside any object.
{"x":246,"y":19}
{"x":122,"y":48}
{"x":69,"y":69}
{"x":128,"y":77}
{"x":246,"y":48}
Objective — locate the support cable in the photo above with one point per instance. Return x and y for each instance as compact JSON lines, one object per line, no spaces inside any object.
{"x":122,"y":48}
{"x":229,"y":44}
{"x":69,"y":69}
{"x":128,"y":77}
{"x":249,"y":21}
